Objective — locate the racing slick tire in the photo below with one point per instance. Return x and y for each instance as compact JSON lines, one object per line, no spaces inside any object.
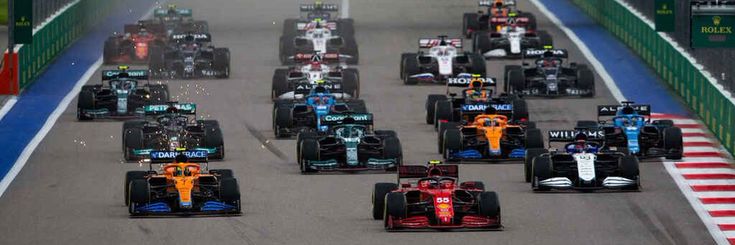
{"x":531,"y":153}
{"x":534,"y":138}
{"x":282,"y":119}
{"x":156,"y":61}
{"x":489,"y":204}
{"x":221,"y":62}
{"x":386,"y":133}
{"x":229,"y":191}
{"x":300,"y":138}
{"x":545,"y":39}
{"x":279,"y":84}
{"x":213,"y":138}
{"x":133,"y":140}
{"x":351,"y":82}
{"x":663,"y":123}
{"x":346,"y":27}
{"x":357,"y":106}
{"x":350,"y":48}
{"x":586,"y":80}
{"x":129,"y":177}
{"x":85,"y":102}
{"x":140,"y":193}
{"x":286,"y":49}
{"x":587,"y":124}
{"x":392,"y":149}
{"x":542,"y":169}
{"x":443,"y":111}
{"x":469,"y":22}
{"x":474,"y":184}
{"x":289,"y":27}
{"x":507,"y":69}
{"x":309,"y":152}
{"x":516,"y":79}
{"x":481,"y":43}
{"x":395,"y":206}
{"x":130,"y":125}
{"x":531,"y":20}
{"x":629,"y":169}
{"x":379,"y":192}
{"x":410,"y":67}
{"x":520,"y":110}
{"x":452,"y":142}
{"x":673,"y":143}
{"x":402,"y":67}
{"x":159,"y":94}
{"x":478,"y":64}
{"x":443,"y":127}
{"x":431,"y":106}
{"x":222,"y":173}
{"x":530,"y":125}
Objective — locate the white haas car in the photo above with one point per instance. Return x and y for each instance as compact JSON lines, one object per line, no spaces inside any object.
{"x":585,"y":163}
{"x":318,"y":37}
{"x":297,"y":81}
{"x":439,"y":59}
{"x":510,"y":39}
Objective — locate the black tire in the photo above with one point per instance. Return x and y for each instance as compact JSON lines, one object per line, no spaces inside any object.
{"x":663,"y":123}
{"x":452,"y":141}
{"x":129,"y":177}
{"x":156,"y":60}
{"x":531,"y":20}
{"x":477,"y":184}
{"x":351,"y":82}
{"x":222,"y":173}
{"x":628,"y":168}
{"x":516,"y":81}
{"x":309,"y":152}
{"x":431,"y":106}
{"x":673,"y":143}
{"x":129,"y":125}
{"x":159,"y":94}
{"x":489,"y":204}
{"x":402,"y":65}
{"x":534,"y":138}
{"x":410,"y":67}
{"x":221,"y":62}
{"x":392,"y":149}
{"x":133,"y":140}
{"x":300,"y":138}
{"x":506,"y":77}
{"x":86,"y":101}
{"x":350,"y":48}
{"x":379,"y":193}
{"x":357,"y":106}
{"x":279,"y":84}
{"x":545,"y":39}
{"x":111,"y":50}
{"x":281,"y":120}
{"x":289,"y":27}
{"x":542,"y":169}
{"x":444,"y":111}
{"x":443,"y":127}
{"x":478,"y":64}
{"x":386,"y":133}
{"x":531,"y":153}
{"x":286,"y":49}
{"x":213,"y":138}
{"x":530,"y":125}
{"x":346,"y":27}
{"x":520,"y":110}
{"x":139,"y":193}
{"x":395,"y":205}
{"x":587,"y":124}
{"x":586,"y":80}
{"x":481,"y":42}
{"x":469,"y":22}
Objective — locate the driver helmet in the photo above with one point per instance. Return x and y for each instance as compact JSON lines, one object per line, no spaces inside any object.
{"x":316,"y":66}
{"x":580,"y":142}
{"x":490,"y":110}
{"x":181,"y":158}
{"x":319,"y":89}
{"x":628,"y":110}
{"x":172,"y":110}
{"x":172,"y":9}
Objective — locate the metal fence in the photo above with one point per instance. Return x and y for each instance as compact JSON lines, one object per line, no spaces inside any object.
{"x":42,"y":9}
{"x":719,"y":62}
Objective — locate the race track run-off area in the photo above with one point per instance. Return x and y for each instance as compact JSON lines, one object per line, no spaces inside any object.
{"x":69,"y":188}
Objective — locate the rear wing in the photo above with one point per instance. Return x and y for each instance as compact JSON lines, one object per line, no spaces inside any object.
{"x":433,"y":42}
{"x":198,"y":37}
{"x":324,"y":58}
{"x":162,"y":12}
{"x":183,"y":108}
{"x":418,"y":171}
{"x":305,"y":87}
{"x":339,"y":119}
{"x":195,"y":156}
{"x":466,"y":81}
{"x":538,"y":53}
{"x":569,"y":135}
{"x":301,"y":26}
{"x":115,"y":74}
{"x":611,"y":110}
{"x":489,"y":3}
{"x":331,"y":7}
{"x":519,"y":20}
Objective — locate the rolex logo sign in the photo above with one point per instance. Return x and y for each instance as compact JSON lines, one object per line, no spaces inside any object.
{"x":716,"y":27}
{"x":664,"y":10}
{"x":23,"y":22}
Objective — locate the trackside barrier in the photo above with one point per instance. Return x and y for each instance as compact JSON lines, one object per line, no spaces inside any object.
{"x":49,"y":40}
{"x":707,"y":100}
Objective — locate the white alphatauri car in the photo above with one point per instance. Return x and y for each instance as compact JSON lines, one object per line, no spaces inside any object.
{"x":318,"y":37}
{"x":509,"y":41}
{"x":439,"y":59}
{"x":297,"y":81}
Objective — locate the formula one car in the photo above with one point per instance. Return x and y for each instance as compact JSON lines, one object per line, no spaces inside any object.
{"x":509,"y":40}
{"x":549,"y":77}
{"x":474,"y":99}
{"x":120,"y":95}
{"x":133,"y":46}
{"x":318,"y":37}
{"x":630,"y":129}
{"x":190,"y":56}
{"x":490,"y":137}
{"x":349,"y":144}
{"x":171,"y":126}
{"x":296,"y":82}
{"x":584,"y":164}
{"x":435,"y":201}
{"x":496,"y":15}
{"x":175,"y":20}
{"x":327,"y":13}
{"x":184,"y":186}
{"x":444,"y":59}
{"x":293,"y":116}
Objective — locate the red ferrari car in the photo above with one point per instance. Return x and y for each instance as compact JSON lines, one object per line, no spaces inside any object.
{"x":435,"y":199}
{"x":132,"y":47}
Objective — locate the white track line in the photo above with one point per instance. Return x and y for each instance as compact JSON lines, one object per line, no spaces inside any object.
{"x":8,"y":105}
{"x":599,"y":68}
{"x":50,"y":121}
